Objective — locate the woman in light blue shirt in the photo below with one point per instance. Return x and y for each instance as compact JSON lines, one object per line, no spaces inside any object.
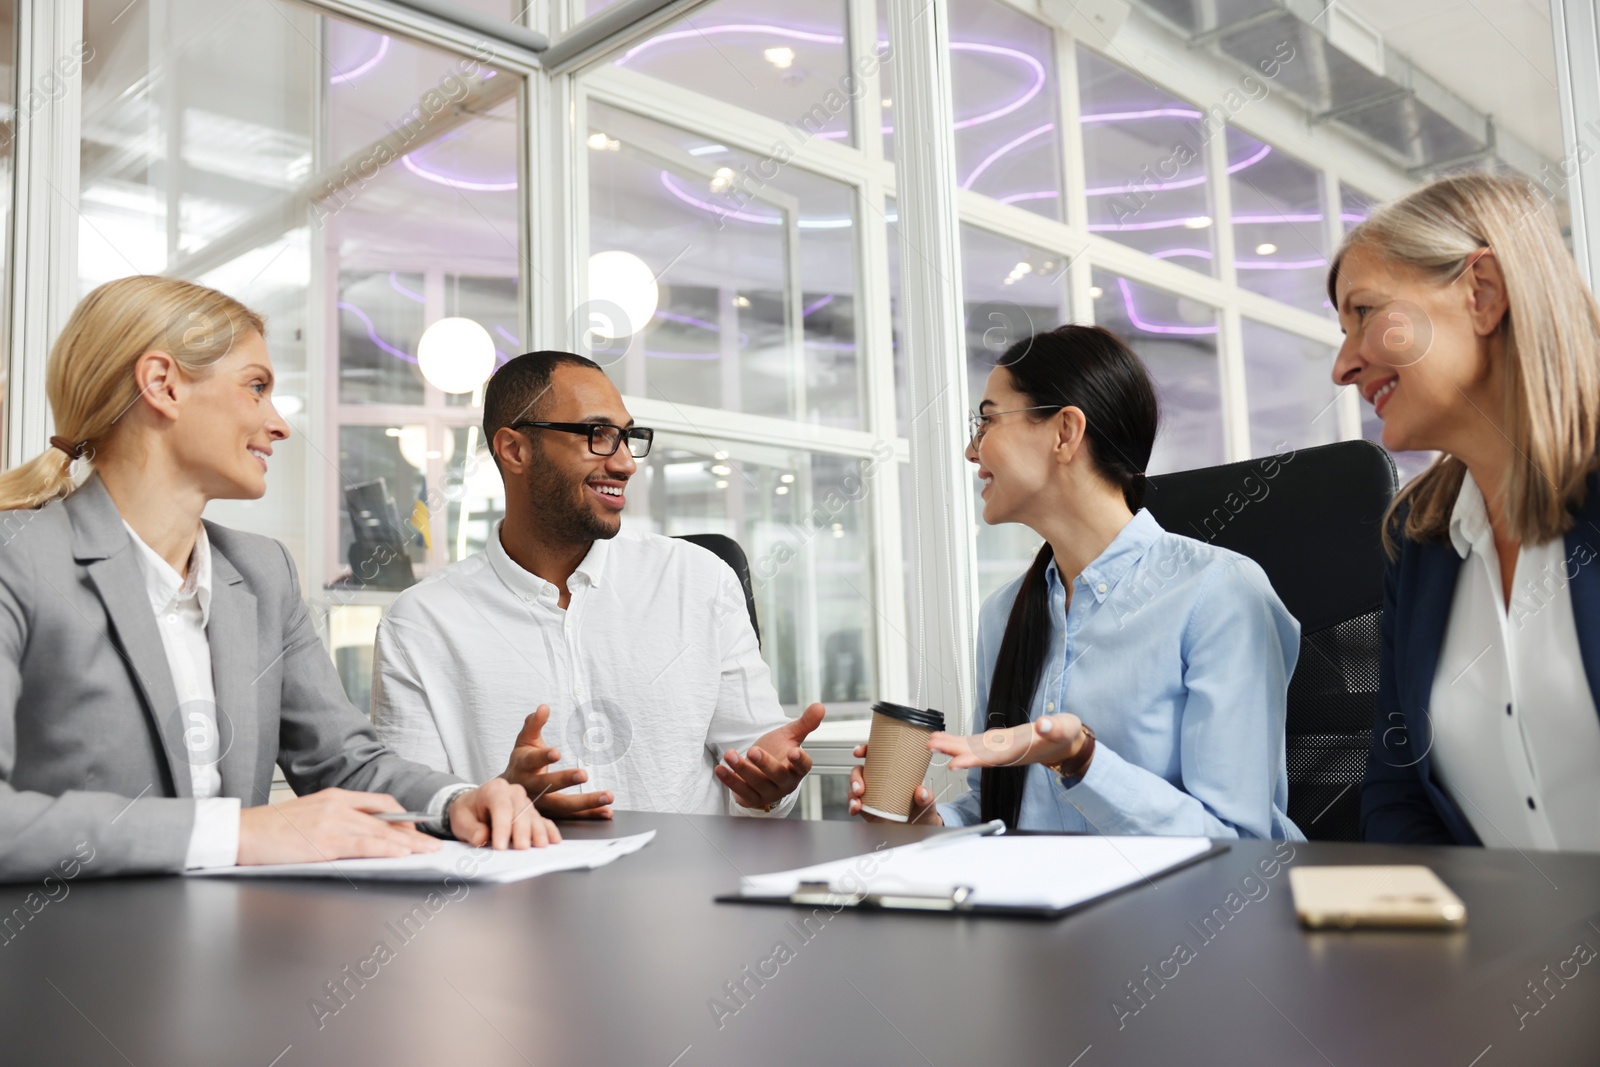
{"x":1133,"y":681}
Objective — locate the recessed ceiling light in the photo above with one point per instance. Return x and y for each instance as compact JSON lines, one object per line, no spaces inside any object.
{"x":786,"y":478}
{"x":1095,"y":292}
{"x":709,"y":150}
{"x":721,"y":470}
{"x":886,"y":102}
{"x":597,"y":141}
{"x":721,"y":484}
{"x":741,"y":301}
{"x":721,"y":179}
{"x":781,"y":57}
{"x":1266,"y":248}
{"x":719,"y":455}
{"x":782,"y":490}
{"x":1199,"y":222}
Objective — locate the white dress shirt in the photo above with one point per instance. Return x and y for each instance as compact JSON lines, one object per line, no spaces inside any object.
{"x":652,"y":672}
{"x":182,"y":607}
{"x":1516,"y":737}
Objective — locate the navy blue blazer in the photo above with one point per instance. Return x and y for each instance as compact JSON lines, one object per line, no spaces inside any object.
{"x":1401,"y":799}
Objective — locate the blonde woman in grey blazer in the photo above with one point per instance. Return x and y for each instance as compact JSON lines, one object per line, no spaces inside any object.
{"x":154,"y":667}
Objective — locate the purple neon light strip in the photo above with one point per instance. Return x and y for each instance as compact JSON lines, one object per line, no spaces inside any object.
{"x":1007,"y":108}
{"x":350,"y":76}
{"x":394,"y":283}
{"x":455,"y":183}
{"x":516,"y":342}
{"x":816,"y":305}
{"x":1156,"y":327}
{"x":372,"y":333}
{"x":1002,"y":150}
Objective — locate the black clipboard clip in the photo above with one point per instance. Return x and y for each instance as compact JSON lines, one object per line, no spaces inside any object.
{"x":820,"y":894}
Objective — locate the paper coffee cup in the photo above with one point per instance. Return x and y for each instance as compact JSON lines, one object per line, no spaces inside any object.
{"x":897,"y":758}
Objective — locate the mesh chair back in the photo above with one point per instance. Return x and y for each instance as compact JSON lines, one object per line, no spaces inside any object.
{"x":1312,"y":520}
{"x":731,"y":554}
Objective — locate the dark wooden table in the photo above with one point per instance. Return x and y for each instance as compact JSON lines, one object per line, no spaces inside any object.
{"x":634,"y":964}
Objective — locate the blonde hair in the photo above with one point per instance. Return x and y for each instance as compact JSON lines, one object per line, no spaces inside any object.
{"x":1550,"y":342}
{"x":90,"y":381}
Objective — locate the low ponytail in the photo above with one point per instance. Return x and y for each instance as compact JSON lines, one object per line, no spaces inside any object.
{"x":1088,"y":368}
{"x":89,"y":380}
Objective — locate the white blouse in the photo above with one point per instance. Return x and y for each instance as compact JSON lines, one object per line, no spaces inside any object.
{"x":1516,"y":737}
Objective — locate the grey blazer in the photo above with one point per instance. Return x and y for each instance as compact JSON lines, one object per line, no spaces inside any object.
{"x":91,"y":739}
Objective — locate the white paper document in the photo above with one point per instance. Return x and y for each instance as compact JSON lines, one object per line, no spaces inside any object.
{"x":1004,"y":872}
{"x":453,"y":860}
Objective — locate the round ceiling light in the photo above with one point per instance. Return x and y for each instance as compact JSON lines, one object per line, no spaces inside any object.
{"x":456,"y":355}
{"x":623,"y":294}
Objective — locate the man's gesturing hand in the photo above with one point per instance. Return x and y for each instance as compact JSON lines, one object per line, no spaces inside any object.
{"x":529,"y":758}
{"x":498,"y":814}
{"x":773,"y":766}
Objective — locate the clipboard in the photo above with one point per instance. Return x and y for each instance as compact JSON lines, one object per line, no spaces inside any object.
{"x":1107,"y":867}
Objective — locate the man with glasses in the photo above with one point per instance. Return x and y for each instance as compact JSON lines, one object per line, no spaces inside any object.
{"x":634,"y":652}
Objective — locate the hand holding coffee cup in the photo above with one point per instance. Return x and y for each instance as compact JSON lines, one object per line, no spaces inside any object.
{"x":890,"y":786}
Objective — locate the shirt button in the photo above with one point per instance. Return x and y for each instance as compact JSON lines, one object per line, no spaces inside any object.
{"x":1101,"y":587}
{"x":1508,"y":709}
{"x":577,"y":690}
{"x":1050,"y":706}
{"x":1531,"y":805}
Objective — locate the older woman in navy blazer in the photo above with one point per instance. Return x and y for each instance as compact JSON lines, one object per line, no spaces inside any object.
{"x":1469,"y":329}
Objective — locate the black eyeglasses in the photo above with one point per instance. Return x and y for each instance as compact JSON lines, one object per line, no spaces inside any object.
{"x":604,"y":438}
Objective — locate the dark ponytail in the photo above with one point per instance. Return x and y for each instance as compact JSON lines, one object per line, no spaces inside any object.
{"x":1088,"y":368}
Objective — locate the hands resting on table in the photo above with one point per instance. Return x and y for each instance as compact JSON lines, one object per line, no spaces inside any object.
{"x":336,"y":824}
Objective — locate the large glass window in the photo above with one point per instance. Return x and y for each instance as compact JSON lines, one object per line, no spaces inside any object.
{"x":1176,"y":336}
{"x":1003,"y":80}
{"x":1277,"y":225}
{"x":1013,"y":291}
{"x":786,"y":61}
{"x":744,"y":290}
{"x":1293,"y":401}
{"x":1145,"y":161}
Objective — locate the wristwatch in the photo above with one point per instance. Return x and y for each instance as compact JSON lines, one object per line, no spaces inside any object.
{"x":1075,"y":766}
{"x":450,"y":799}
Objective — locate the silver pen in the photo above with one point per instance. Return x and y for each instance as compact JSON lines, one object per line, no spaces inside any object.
{"x":404,"y":816}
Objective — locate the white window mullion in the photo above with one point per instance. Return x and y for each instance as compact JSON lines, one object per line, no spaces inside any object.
{"x":44,"y":264}
{"x":935,"y":343}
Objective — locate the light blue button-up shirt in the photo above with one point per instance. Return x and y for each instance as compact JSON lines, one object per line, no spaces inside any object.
{"x":1178,"y":654}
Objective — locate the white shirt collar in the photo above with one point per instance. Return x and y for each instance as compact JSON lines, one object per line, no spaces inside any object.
{"x":530,"y":586}
{"x":1469,"y":520}
{"x":163,"y":584}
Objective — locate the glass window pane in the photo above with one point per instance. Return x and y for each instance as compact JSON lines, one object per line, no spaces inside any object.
{"x":1354,"y":205}
{"x":802,"y":520}
{"x":1177,"y":339}
{"x":1277,"y":225}
{"x":383,"y":479}
{"x":196,"y":134}
{"x":380,"y":321}
{"x":786,"y":61}
{"x":1013,"y":291}
{"x":1003,"y":80}
{"x":1144,"y":159}
{"x":475,"y":494}
{"x":1292,"y":395}
{"x":747,"y":289}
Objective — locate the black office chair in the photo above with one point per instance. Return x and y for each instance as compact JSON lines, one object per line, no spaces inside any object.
{"x":1313,"y":524}
{"x":729,"y":551}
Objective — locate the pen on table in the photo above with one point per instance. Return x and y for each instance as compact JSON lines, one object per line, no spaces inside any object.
{"x":404,"y":816}
{"x":983,"y":829}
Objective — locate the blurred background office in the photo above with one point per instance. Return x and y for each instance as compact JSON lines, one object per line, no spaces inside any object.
{"x":703,"y":197}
